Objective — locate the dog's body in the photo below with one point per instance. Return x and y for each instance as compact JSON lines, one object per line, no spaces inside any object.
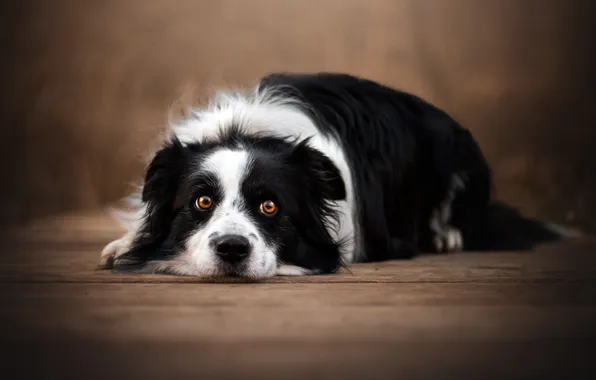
{"x":304,"y":174}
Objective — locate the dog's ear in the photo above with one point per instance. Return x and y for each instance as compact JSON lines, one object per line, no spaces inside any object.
{"x":161,"y":185}
{"x":320,"y":169}
{"x":323,"y":183}
{"x":159,"y":191}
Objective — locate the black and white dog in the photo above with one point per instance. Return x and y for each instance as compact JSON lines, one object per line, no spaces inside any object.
{"x":302,"y":175}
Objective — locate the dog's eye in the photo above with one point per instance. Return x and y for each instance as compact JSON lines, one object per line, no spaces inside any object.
{"x":268,"y":208}
{"x":204,"y":202}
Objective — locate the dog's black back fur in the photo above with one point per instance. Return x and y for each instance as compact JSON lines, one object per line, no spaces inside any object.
{"x":403,"y":152}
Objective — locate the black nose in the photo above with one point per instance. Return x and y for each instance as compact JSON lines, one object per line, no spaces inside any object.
{"x":232,"y":248}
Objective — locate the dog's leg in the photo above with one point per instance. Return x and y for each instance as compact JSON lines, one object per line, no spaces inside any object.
{"x":293,"y":270}
{"x":130,"y":220}
{"x":445,"y":236}
{"x":115,"y":249}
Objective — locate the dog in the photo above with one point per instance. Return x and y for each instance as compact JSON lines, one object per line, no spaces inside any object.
{"x":302,"y":175}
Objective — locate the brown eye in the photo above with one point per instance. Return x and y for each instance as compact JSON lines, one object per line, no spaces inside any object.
{"x":204,"y":202}
{"x":268,"y":208}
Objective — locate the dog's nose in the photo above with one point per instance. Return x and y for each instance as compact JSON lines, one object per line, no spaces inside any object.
{"x":232,"y":248}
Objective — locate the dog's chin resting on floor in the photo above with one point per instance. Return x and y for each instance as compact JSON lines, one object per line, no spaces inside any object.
{"x":303,"y":174}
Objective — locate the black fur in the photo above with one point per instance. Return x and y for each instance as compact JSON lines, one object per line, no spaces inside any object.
{"x":403,"y":153}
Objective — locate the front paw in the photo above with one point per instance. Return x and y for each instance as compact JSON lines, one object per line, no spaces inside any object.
{"x":292,"y":270}
{"x":114,"y":250}
{"x":450,"y":239}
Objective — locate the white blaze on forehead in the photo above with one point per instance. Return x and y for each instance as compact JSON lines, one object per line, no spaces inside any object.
{"x":230,"y":216}
{"x":230,"y":167}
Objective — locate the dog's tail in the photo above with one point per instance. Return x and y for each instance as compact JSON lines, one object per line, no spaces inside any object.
{"x":502,"y":228}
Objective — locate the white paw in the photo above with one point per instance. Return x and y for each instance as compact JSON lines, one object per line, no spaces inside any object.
{"x":449,"y":240}
{"x":292,"y":270}
{"x":115,"y":249}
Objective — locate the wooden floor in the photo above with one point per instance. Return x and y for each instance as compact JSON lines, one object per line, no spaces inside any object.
{"x":496,"y":315}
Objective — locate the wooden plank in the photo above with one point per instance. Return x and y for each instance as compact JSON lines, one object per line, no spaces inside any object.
{"x":469,"y":315}
{"x":306,"y":312}
{"x":141,"y":331}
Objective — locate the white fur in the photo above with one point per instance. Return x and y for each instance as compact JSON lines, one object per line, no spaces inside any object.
{"x":130,"y":220}
{"x":292,"y":270}
{"x":116,"y":248}
{"x":447,"y":237}
{"x":450,"y":240}
{"x":562,"y":231}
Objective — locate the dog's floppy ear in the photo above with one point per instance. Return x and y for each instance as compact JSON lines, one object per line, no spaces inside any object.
{"x":323,"y":183}
{"x":319,"y":168}
{"x":160,"y":186}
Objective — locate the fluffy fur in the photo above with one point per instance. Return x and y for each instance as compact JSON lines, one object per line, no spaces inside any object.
{"x":357,"y":171}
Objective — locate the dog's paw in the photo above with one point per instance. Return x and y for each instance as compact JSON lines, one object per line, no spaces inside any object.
{"x":449,"y":240}
{"x":292,"y":271}
{"x":115,"y":249}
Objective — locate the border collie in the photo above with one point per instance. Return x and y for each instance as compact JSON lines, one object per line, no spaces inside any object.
{"x":302,"y":175}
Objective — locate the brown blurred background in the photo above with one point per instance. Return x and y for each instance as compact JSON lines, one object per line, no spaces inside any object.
{"x":86,"y":85}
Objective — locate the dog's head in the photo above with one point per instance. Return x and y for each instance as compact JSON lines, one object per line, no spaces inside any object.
{"x":237,"y":206}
